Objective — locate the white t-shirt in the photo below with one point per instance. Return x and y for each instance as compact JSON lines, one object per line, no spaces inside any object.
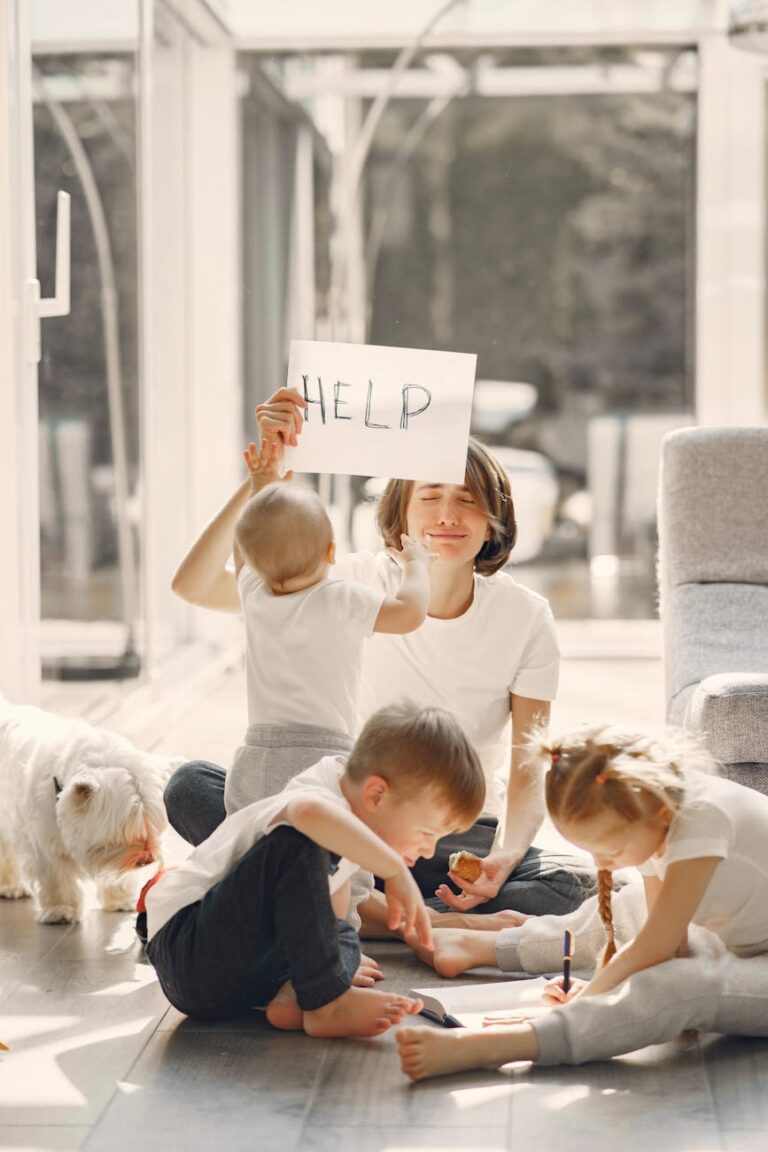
{"x":304,"y":649}
{"x":504,"y":643}
{"x":212,"y":859}
{"x":721,"y":818}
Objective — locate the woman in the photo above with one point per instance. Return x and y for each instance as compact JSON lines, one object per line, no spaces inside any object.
{"x":487,"y":651}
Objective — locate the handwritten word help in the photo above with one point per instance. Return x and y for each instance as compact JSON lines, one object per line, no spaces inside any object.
{"x":371,"y":410}
{"x":406,"y":411}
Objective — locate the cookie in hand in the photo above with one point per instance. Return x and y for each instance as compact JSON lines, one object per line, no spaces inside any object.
{"x":466,"y":865}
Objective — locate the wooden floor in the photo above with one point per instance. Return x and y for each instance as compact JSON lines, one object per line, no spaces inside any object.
{"x":100,"y":1061}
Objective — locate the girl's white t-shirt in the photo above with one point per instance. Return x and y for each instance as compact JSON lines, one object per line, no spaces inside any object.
{"x":303,"y":650}
{"x":721,"y":818}
{"x":505,"y":643}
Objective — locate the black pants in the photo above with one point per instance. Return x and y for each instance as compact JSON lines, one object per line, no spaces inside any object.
{"x":544,"y":883}
{"x":268,"y":920}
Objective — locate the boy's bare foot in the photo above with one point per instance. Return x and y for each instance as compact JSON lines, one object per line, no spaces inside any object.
{"x":457,"y":949}
{"x":284,"y":1012}
{"x":359,"y":1012}
{"x":426,"y":1052}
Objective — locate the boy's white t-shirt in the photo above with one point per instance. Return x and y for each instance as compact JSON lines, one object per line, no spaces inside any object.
{"x":721,"y":818}
{"x":505,"y":643}
{"x":304,"y":649}
{"x":212,"y":859}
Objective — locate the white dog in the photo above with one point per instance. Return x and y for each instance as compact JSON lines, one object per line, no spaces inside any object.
{"x":75,"y":801}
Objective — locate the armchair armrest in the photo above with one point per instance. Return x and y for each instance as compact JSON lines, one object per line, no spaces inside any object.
{"x":731,"y":709}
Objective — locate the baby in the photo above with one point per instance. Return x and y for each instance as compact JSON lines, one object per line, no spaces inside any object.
{"x":305,"y":630}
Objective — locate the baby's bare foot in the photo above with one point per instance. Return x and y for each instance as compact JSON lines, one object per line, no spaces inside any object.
{"x":284,"y":1012}
{"x":359,"y":1012}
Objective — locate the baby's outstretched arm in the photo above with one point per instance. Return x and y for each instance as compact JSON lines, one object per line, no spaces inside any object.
{"x":407,"y":609}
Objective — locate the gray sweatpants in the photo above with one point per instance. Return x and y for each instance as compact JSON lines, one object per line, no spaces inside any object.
{"x":728,"y":994}
{"x":272,"y":754}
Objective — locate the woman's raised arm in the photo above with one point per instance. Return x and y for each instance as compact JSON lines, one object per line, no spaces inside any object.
{"x":203,"y":578}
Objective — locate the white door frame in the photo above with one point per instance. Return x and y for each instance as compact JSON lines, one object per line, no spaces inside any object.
{"x":190,"y":355}
{"x":19,"y":503}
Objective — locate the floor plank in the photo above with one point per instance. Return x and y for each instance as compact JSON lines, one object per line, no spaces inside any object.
{"x":197,"y":1088}
{"x":50,"y":1138}
{"x":386,"y":1139}
{"x":75,"y":1027}
{"x":737,"y":1070}
{"x":657,"y":1099}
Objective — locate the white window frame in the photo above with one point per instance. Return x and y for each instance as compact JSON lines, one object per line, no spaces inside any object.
{"x":19,"y":504}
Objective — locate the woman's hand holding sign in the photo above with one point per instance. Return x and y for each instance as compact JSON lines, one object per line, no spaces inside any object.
{"x":280,"y":415}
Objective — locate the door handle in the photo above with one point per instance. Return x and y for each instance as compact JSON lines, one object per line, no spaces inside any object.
{"x":58,"y":304}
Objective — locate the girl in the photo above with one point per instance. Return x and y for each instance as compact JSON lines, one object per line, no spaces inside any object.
{"x":701,"y":844}
{"x":487,"y":652}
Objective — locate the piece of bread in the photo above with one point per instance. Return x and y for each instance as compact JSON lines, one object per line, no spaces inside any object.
{"x":466,"y":865}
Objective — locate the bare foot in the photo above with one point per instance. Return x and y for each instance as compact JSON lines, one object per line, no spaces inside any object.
{"x":368,"y":973}
{"x":359,"y":1012}
{"x":427,"y":1052}
{"x":457,"y":949}
{"x":495,"y":921}
{"x":284,"y":1012}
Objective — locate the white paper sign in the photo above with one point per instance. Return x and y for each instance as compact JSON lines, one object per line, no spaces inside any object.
{"x":377,"y":411}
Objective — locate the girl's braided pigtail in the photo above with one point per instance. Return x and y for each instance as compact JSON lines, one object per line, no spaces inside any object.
{"x":604,"y":890}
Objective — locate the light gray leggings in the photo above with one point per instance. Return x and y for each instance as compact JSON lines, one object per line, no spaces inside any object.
{"x":727,"y":994}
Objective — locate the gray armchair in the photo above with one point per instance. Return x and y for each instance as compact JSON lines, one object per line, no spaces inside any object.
{"x":713,"y":580}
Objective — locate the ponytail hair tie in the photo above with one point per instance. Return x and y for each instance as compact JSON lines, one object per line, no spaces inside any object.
{"x":600,"y":778}
{"x":554,"y":756}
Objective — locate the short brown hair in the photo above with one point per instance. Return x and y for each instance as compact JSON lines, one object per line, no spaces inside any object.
{"x":283,"y":532}
{"x":488,"y":482}
{"x":419,"y":749}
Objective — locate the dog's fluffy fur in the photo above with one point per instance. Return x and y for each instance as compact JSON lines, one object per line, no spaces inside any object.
{"x":75,"y":801}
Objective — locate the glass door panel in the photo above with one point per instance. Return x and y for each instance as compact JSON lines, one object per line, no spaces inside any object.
{"x":85,"y":142}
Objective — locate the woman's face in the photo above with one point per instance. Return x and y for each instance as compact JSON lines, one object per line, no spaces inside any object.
{"x":449,"y":520}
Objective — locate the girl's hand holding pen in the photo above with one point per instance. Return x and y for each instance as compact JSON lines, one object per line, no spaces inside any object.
{"x":554,"y":994}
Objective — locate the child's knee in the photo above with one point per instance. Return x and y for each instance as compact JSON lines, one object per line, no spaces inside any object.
{"x":289,"y":845}
{"x":179,"y":787}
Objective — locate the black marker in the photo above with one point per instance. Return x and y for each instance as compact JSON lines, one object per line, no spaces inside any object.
{"x":567,"y":957}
